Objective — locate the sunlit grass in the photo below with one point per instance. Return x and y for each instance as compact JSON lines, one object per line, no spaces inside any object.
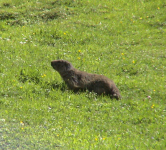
{"x":124,"y":40}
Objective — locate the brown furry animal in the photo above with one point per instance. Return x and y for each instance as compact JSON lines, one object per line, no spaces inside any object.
{"x":79,"y":80}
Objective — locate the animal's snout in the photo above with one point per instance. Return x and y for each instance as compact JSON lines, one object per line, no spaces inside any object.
{"x":52,"y":63}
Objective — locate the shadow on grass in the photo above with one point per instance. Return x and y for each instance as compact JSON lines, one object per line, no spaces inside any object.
{"x":33,"y":76}
{"x":50,"y":85}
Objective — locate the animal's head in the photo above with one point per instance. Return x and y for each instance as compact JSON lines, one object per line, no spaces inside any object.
{"x":61,"y":65}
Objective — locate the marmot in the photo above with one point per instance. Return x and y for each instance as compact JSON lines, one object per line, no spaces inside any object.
{"x":79,"y":80}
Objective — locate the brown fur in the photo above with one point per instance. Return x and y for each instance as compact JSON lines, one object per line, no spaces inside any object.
{"x":77,"y":80}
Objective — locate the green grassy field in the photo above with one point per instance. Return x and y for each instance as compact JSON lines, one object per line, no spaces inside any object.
{"x":123,"y":39}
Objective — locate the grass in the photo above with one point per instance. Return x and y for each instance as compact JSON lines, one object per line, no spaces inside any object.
{"x":124,"y":40}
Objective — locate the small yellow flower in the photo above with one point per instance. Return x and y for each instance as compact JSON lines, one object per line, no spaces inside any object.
{"x":43,"y":75}
{"x":119,"y":138}
{"x":21,"y":87}
{"x":140,"y":18}
{"x":154,"y":90}
{"x":152,"y":106}
{"x":133,"y":62}
{"x":103,"y":138}
{"x":64,"y":33}
{"x":57,"y":135}
{"x":96,"y":139}
{"x":79,"y":51}
{"x":158,"y":7}
{"x":21,"y":123}
{"x":79,"y":58}
{"x":122,"y":53}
